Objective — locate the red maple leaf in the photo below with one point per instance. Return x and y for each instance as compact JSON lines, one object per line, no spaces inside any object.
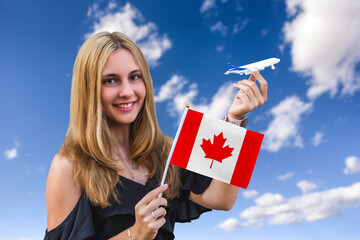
{"x":216,"y":151}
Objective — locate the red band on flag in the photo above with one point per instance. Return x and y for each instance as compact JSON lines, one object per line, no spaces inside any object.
{"x":247,"y":159}
{"x":186,"y":139}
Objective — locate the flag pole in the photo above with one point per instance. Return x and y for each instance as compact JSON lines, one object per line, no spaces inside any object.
{"x":174,"y":143}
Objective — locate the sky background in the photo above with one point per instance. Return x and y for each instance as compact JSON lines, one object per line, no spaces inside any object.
{"x":306,"y":182}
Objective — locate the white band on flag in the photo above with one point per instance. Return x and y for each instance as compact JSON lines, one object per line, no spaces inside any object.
{"x":173,"y":146}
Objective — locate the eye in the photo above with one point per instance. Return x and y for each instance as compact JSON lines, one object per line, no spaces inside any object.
{"x":109,"y":81}
{"x":135,"y":77}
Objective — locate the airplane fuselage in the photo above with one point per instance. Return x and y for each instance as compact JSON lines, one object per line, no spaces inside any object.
{"x":253,"y":67}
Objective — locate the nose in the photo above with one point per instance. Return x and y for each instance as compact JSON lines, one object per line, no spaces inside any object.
{"x":126,"y":89}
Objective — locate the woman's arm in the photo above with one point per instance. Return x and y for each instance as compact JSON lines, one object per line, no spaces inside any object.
{"x":124,"y":235}
{"x":220,"y":195}
{"x":62,"y":192}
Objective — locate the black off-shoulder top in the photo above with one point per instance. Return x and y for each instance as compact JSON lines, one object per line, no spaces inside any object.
{"x":86,"y":221}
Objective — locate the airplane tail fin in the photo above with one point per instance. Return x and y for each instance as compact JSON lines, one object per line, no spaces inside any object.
{"x":230,"y":66}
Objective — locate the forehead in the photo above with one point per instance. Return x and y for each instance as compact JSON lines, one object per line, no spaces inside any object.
{"x":121,"y":61}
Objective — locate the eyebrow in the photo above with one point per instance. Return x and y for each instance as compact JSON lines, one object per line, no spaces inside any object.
{"x":115,"y":75}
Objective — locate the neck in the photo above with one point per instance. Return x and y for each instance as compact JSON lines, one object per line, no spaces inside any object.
{"x":121,"y":134}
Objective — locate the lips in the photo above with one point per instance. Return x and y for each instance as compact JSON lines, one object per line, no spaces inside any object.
{"x":125,"y":106}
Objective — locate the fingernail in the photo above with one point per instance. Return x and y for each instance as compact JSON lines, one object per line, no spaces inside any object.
{"x":165,"y":186}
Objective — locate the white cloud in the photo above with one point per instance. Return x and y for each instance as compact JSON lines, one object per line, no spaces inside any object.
{"x":324,"y":38}
{"x":282,"y":47}
{"x":283,"y":129}
{"x":207,"y":5}
{"x":352,"y":165}
{"x":306,"y":186}
{"x":220,"y":102}
{"x":219,"y":27}
{"x":317,"y":139}
{"x":112,"y":5}
{"x":130,"y":21}
{"x":269,"y":199}
{"x":122,"y":20}
{"x":274,"y":209}
{"x":283,"y":218}
{"x":11,"y":153}
{"x":291,"y":7}
{"x":238,"y":7}
{"x":153,"y":48}
{"x":231,"y":224}
{"x":250,"y":194}
{"x":219,"y":48}
{"x":286,"y":176}
{"x":178,"y":92}
{"x":240,"y":25}
{"x":170,"y":88}
{"x":298,"y":141}
{"x":94,"y":11}
{"x":264,"y":32}
{"x":17,"y":143}
{"x":181,"y":99}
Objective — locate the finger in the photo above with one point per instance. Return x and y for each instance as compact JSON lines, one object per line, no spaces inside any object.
{"x":252,"y":77}
{"x":159,"y":213}
{"x":152,"y":195}
{"x":241,"y":95}
{"x":156,"y":203}
{"x":241,"y":80}
{"x":263,"y":85}
{"x":246,"y":88}
{"x":261,"y":96}
{"x":155,"y":225}
{"x":247,"y":105}
{"x":254,"y":87}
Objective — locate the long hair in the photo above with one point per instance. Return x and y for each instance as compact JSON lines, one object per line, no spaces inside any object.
{"x":88,"y":141}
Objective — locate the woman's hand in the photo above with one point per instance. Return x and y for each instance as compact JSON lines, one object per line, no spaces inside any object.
{"x":249,"y":97}
{"x":149,"y":216}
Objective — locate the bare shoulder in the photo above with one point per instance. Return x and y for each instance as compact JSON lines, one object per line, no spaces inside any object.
{"x":62,"y":192}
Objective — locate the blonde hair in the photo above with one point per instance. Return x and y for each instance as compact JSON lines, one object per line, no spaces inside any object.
{"x":88,"y":142}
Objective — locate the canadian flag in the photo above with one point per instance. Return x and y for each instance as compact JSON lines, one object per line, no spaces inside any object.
{"x":215,"y":148}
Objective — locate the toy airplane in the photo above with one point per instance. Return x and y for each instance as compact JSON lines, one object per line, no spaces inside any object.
{"x":253,"y":67}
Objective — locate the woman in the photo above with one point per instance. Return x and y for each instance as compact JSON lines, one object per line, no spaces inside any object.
{"x":104,"y":181}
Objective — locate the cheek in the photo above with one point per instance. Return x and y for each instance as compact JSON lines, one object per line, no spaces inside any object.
{"x":103,"y":97}
{"x":107,"y":94}
{"x":143,"y":90}
{"x":106,"y":99}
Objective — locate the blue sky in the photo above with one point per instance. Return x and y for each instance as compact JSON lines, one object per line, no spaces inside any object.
{"x":306,"y":183}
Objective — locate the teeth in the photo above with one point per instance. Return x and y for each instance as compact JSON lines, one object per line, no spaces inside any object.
{"x":125,"y":105}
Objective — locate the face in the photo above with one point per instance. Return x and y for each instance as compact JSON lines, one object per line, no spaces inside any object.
{"x":122,"y":88}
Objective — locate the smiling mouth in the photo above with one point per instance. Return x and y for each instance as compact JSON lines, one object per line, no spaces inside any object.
{"x":125,"y":106}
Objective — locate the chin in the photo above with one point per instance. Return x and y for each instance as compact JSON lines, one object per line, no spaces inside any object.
{"x":127,"y":120}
